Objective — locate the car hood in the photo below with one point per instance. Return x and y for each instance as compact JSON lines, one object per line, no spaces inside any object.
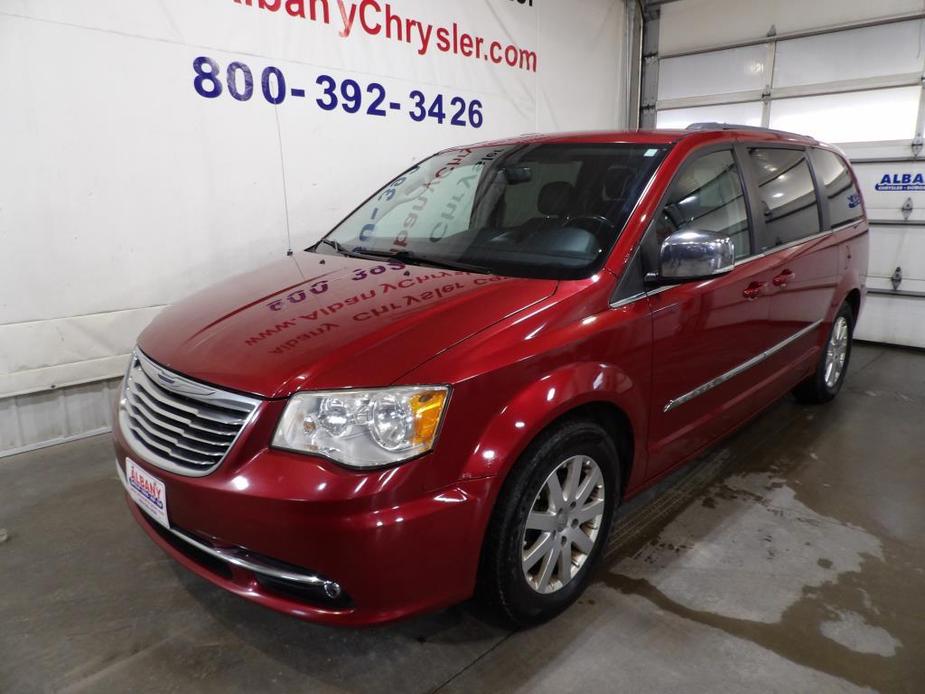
{"x":314,"y":321}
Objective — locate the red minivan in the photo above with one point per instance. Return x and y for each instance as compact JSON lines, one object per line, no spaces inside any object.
{"x":450,"y":393}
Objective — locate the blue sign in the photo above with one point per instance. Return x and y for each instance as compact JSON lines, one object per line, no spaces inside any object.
{"x":906,"y":181}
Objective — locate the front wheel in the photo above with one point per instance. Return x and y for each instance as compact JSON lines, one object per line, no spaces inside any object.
{"x":829,"y":376}
{"x":550,"y":523}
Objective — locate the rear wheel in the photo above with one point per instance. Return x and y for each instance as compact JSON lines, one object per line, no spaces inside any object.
{"x":550,"y":524}
{"x":829,"y":376}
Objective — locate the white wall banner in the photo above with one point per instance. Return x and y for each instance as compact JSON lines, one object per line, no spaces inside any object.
{"x":149,"y":148}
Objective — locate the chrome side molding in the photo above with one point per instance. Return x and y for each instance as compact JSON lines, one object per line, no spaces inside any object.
{"x":741,"y":368}
{"x":620,"y":303}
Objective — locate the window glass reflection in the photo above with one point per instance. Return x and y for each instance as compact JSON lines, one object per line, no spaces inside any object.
{"x":787,"y":196}
{"x":707,"y":195}
{"x":840,"y":190}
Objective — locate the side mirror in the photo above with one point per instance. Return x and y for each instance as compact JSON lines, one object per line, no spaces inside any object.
{"x":695,"y":255}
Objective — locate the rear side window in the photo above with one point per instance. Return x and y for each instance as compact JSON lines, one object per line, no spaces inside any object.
{"x":787,"y":195}
{"x":840,"y":190}
{"x":707,"y":195}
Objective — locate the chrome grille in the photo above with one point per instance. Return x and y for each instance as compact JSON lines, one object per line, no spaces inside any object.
{"x":178,"y":424}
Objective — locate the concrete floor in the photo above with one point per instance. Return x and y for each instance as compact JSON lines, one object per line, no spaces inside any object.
{"x":791,"y":558}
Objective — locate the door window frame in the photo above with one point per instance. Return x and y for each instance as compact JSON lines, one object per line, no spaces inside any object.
{"x":632,"y":285}
{"x":823,"y":195}
{"x":751,"y":176}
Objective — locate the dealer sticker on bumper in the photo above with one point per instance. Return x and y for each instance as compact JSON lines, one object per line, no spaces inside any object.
{"x":147,"y":491}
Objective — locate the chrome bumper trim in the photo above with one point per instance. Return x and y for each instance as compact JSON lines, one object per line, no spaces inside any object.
{"x":330,"y":588}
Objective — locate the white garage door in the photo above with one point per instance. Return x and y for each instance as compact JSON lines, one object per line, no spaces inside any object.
{"x":844,"y":72}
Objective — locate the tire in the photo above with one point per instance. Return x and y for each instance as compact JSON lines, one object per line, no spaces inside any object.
{"x":518,"y":594}
{"x":824,"y":384}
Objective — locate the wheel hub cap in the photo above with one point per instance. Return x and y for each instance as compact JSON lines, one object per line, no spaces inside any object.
{"x":563,"y":524}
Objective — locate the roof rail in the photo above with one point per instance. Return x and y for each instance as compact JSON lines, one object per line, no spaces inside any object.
{"x":708,"y":125}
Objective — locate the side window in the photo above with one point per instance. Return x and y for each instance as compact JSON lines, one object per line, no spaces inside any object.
{"x":787,"y":194}
{"x":707,"y":195}
{"x":840,"y":190}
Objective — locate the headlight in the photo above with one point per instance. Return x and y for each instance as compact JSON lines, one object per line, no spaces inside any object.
{"x":363,"y":428}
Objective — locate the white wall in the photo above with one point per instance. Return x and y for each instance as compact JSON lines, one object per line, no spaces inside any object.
{"x":122,"y":189}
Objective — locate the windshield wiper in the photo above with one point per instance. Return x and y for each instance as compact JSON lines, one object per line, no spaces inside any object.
{"x":412,"y":259}
{"x":336,"y":245}
{"x":402,"y":256}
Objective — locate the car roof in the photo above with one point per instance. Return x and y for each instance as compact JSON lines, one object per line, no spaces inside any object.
{"x":697,"y":131}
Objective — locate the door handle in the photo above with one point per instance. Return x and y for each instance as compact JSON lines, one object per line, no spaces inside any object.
{"x":783,"y":279}
{"x":753,"y":291}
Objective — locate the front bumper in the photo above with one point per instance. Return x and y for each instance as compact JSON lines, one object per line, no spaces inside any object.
{"x":265,"y":515}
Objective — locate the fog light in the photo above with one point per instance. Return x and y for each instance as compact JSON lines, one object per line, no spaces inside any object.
{"x":332,"y":590}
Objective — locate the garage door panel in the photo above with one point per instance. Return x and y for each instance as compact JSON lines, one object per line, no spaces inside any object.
{"x":899,"y":246}
{"x":748,"y":113}
{"x":867,"y":52}
{"x":695,"y":24}
{"x":861,"y":152}
{"x":883,"y":284}
{"x":723,"y":72}
{"x":896,"y":320}
{"x":868,"y":116}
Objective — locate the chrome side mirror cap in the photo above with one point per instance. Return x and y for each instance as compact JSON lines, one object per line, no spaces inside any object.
{"x":695,"y":255}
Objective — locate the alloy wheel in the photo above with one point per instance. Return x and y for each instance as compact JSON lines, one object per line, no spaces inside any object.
{"x":563,"y":524}
{"x":837,"y":351}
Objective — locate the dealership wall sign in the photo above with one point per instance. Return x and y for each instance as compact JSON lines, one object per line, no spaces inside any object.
{"x":383,"y":20}
{"x":914,"y":182}
{"x":235,"y":131}
{"x":349,"y":95}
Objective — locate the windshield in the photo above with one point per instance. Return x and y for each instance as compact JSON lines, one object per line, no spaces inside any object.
{"x":547,"y":211}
